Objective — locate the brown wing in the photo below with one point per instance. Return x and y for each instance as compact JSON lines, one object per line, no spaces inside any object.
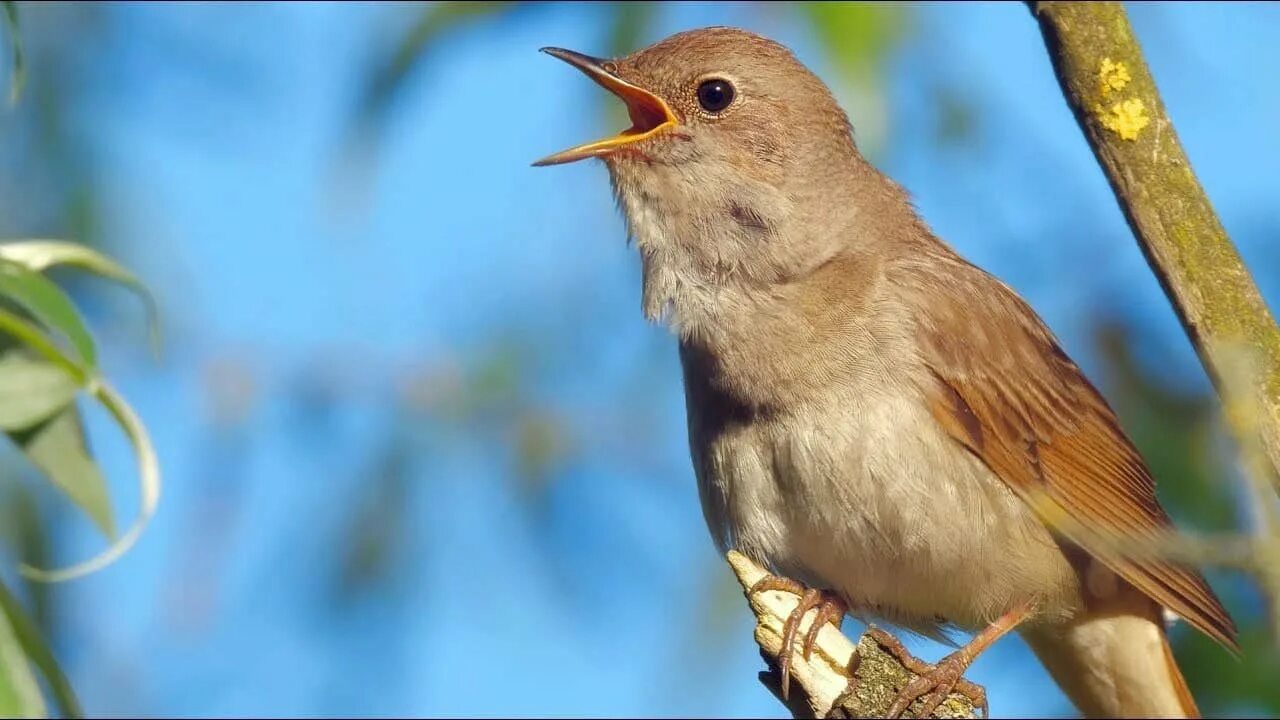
{"x":1004,"y":389}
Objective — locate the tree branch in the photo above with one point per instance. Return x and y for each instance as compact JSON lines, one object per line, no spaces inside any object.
{"x":1105,"y":80}
{"x":820,"y":686}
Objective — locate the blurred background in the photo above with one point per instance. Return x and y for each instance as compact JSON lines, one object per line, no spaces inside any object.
{"x":422,"y":454}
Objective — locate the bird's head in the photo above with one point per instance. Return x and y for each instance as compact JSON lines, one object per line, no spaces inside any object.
{"x":735,"y":154}
{"x":714,"y":93}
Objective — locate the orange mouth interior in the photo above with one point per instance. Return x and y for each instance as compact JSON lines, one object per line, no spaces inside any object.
{"x":649,"y":113}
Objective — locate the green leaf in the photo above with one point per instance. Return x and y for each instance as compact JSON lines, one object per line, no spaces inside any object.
{"x":31,"y":335}
{"x":38,"y":652}
{"x":18,"y":71}
{"x":40,"y":255}
{"x":48,"y":304}
{"x":19,"y":692}
{"x":66,"y":463}
{"x":58,"y":448}
{"x":31,"y":390}
{"x":52,"y":454}
{"x":148,"y":486}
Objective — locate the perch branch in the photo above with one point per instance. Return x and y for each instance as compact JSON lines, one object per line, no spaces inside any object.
{"x":821,"y":685}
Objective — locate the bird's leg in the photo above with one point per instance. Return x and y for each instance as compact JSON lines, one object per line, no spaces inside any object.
{"x":938,"y":681}
{"x":920,"y":668}
{"x":830,"y":609}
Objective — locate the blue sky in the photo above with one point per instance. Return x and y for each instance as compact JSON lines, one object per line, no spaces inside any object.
{"x":303,"y":296}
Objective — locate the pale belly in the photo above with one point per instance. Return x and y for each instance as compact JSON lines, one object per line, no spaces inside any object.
{"x":872,"y":500}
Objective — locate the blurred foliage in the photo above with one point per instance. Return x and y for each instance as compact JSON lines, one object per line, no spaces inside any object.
{"x":412,"y":52}
{"x":857,"y":36}
{"x":30,"y":647}
{"x":17,"y":71}
{"x":492,"y":395}
{"x":47,"y":358}
{"x":629,"y":26}
{"x":956,"y":118}
{"x":1224,"y":686}
{"x":53,"y":359}
{"x":1192,"y":481}
{"x":49,"y":180}
{"x":375,"y":532}
{"x":1175,"y":430}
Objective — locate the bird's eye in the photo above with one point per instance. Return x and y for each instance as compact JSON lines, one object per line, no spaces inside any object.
{"x":715,"y":95}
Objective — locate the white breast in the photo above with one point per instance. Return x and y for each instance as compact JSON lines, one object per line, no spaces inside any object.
{"x":868,"y":497}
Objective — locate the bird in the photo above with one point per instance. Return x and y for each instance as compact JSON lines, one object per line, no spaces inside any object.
{"x":891,"y":430}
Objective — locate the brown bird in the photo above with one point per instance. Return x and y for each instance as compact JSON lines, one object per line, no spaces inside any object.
{"x":869,"y":413}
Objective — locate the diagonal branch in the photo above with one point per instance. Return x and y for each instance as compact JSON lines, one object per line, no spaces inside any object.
{"x":1099,"y":64}
{"x":1105,"y":79}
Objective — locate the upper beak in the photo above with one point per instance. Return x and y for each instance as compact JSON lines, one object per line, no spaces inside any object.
{"x":649,"y":113}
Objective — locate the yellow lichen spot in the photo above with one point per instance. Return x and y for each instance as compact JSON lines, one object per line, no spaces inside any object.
{"x":1125,"y":119}
{"x":1112,"y":76}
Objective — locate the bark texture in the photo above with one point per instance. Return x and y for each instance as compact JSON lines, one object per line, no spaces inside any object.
{"x":823,"y":685}
{"x":1105,"y":80}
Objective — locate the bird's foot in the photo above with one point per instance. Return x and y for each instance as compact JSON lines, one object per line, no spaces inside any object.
{"x":932,"y":682}
{"x":830,"y":609}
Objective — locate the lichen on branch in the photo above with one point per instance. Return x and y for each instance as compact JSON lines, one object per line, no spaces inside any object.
{"x":1100,"y":66}
{"x":1106,"y":82}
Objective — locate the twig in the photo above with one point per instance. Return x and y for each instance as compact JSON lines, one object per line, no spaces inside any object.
{"x":820,"y":686}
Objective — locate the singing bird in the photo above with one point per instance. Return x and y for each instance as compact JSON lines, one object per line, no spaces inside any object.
{"x":887,"y":427}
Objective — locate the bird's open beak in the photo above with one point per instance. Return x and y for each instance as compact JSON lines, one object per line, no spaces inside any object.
{"x":649,"y":113}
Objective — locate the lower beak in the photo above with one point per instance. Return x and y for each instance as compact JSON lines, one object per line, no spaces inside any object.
{"x":649,"y":113}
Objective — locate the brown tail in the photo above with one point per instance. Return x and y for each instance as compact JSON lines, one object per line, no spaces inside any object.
{"x":1116,"y":663}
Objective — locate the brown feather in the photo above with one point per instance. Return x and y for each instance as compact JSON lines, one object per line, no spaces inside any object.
{"x":1005,"y":390}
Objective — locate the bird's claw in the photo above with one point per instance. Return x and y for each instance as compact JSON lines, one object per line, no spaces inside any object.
{"x":830,"y":609}
{"x":935,"y":685}
{"x":932,"y":682}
